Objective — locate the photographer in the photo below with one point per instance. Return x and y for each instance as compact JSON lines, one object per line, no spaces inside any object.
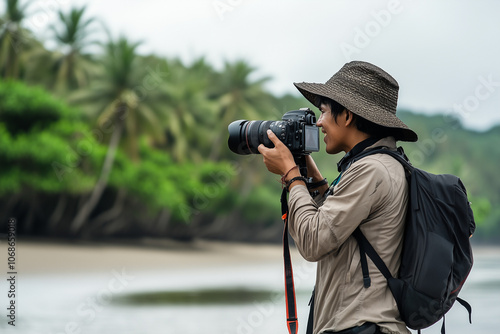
{"x":358,"y":112}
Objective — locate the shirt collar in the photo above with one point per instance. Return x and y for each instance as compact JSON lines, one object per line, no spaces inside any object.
{"x":345,"y":162}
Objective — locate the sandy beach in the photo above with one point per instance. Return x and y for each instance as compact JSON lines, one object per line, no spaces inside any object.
{"x":57,"y":257}
{"x":38,"y":257}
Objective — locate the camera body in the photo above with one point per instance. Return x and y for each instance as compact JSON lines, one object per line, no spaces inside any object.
{"x":297,"y":130}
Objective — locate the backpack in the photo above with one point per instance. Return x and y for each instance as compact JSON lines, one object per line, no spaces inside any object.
{"x":437,"y":256}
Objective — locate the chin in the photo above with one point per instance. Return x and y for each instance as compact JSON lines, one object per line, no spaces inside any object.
{"x":332,"y":151}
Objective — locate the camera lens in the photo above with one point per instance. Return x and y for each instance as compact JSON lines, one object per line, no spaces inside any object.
{"x":297,"y":130}
{"x":245,"y":136}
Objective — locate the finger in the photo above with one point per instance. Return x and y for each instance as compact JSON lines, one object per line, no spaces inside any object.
{"x":272,"y":137}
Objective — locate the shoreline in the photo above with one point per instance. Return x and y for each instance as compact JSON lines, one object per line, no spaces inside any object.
{"x":49,"y":257}
{"x":62,"y":256}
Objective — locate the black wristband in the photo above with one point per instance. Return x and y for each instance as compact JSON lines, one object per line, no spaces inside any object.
{"x":297,"y":178}
{"x":317,"y":184}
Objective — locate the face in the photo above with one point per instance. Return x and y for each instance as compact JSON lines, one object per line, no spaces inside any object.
{"x":335,"y":132}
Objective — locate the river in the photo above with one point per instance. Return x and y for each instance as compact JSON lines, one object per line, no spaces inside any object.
{"x":241,"y":298}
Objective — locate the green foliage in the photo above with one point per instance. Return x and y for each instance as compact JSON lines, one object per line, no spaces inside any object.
{"x":22,"y":109}
{"x":172,"y":162}
{"x":482,"y":209}
{"x":185,"y":189}
{"x":58,"y":153}
{"x":37,"y":139}
{"x":489,"y":228}
{"x":264,"y":204}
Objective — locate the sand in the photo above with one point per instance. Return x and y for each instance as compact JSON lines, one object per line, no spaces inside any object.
{"x":34,"y":257}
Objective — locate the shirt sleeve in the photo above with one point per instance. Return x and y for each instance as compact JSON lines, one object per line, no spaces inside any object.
{"x":320,"y":230}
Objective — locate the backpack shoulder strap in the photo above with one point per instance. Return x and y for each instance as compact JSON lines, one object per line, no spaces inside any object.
{"x":366,"y":248}
{"x":399,"y":155}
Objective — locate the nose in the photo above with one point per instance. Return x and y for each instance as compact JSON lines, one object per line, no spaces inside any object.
{"x":319,"y":122}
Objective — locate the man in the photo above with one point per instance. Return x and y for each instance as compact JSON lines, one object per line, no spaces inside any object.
{"x":358,"y":112}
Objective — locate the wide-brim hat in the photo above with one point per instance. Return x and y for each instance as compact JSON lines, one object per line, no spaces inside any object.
{"x":367,"y":91}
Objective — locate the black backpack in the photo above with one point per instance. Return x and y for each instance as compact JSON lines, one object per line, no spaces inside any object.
{"x":437,"y":255}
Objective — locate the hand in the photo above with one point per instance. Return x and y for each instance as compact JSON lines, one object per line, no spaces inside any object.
{"x":279,"y":159}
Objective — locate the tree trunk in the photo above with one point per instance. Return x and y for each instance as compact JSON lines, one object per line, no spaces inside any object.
{"x":56,"y":215}
{"x":7,"y":209}
{"x":84,"y":213}
{"x":110,"y":214}
{"x":28,"y":223}
{"x":161,"y":225}
{"x":116,"y":225}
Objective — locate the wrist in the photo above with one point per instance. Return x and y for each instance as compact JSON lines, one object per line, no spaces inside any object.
{"x":312,"y":169}
{"x":292,"y":177}
{"x":291,"y":172}
{"x":317,"y":183}
{"x":295,"y":181}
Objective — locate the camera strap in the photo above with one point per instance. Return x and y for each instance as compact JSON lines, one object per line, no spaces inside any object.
{"x":291,"y":305}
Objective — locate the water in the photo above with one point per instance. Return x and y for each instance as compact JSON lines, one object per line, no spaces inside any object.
{"x":115,"y":301}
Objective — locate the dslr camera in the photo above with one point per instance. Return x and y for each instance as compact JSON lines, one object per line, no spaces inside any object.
{"x":297,"y":130}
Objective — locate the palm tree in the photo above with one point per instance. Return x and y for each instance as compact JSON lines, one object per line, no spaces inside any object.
{"x":72,"y":66}
{"x":14,"y":39}
{"x":122,"y":106}
{"x":189,"y":113}
{"x":239,"y":98}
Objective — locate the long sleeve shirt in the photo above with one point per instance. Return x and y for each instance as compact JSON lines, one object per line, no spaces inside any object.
{"x":373,"y":194}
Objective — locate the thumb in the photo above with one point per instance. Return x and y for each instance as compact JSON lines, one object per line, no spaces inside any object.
{"x":261,"y":148}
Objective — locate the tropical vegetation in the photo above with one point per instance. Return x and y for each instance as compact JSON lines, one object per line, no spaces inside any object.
{"x":100,"y":141}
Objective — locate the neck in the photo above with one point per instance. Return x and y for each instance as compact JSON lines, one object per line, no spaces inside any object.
{"x":355,"y":138}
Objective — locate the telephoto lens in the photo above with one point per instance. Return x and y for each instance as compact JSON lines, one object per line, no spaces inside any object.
{"x":297,"y":130}
{"x":246,"y":136}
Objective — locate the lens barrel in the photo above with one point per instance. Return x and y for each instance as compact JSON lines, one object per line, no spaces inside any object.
{"x":297,"y":130}
{"x":246,"y":136}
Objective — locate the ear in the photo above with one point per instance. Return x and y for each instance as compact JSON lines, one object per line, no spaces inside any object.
{"x":349,"y":117}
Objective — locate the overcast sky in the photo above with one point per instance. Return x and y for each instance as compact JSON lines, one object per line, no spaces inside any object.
{"x":444,"y":54}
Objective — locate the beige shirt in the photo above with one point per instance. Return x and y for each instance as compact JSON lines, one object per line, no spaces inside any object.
{"x":373,"y":193}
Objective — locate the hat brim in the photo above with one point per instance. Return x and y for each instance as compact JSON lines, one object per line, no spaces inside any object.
{"x":370,"y":111}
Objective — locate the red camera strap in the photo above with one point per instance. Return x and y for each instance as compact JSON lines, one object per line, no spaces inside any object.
{"x":291,"y":305}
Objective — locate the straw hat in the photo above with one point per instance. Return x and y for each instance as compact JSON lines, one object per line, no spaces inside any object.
{"x":367,"y":91}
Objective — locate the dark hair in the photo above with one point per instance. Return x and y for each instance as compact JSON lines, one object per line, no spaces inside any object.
{"x":362,"y":124}
{"x":374,"y":130}
{"x":335,"y":107}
